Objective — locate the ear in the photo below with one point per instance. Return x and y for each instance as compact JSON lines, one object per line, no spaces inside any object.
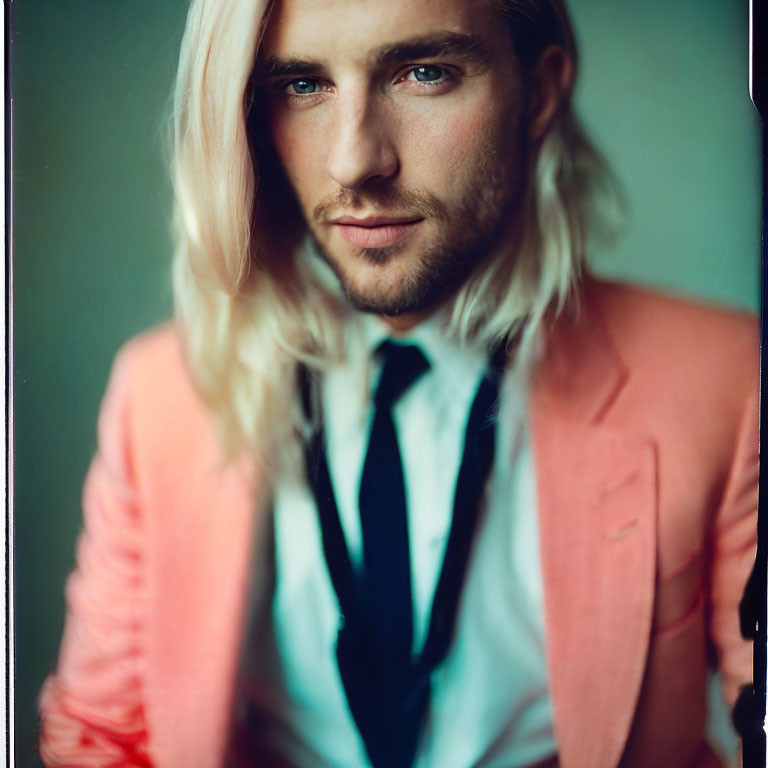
{"x":551,"y":80}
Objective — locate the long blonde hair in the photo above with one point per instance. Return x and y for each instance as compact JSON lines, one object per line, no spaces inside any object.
{"x":246,"y":314}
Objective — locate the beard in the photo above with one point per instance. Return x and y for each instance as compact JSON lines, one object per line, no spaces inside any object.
{"x":467,"y":232}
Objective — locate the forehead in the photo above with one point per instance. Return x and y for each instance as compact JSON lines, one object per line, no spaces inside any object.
{"x":351,"y":29}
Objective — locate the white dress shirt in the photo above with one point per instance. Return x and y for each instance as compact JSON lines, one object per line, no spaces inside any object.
{"x":489,"y":704}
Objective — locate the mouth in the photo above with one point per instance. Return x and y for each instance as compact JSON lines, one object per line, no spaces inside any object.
{"x":376,"y":231}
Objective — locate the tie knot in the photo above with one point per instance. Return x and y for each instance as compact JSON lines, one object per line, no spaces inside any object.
{"x":403,"y":364}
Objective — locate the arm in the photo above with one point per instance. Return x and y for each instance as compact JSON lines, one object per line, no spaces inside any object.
{"x":733,"y":554}
{"x":91,"y":708}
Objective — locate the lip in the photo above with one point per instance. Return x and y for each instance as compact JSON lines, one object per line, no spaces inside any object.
{"x":376,"y":231}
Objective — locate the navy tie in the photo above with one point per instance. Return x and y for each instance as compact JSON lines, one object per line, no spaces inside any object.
{"x":387,"y":690}
{"x":375,"y":653}
{"x":384,"y":518}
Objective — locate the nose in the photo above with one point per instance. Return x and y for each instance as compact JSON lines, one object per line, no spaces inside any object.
{"x":362,"y":147}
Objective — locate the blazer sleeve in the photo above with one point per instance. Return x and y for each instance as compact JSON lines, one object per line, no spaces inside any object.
{"x":91,"y":707}
{"x":733,"y":555}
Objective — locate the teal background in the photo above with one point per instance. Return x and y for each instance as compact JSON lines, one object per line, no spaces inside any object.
{"x":663,"y":90}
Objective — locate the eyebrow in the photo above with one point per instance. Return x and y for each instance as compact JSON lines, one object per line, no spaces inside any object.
{"x":455,"y":45}
{"x":458,"y":46}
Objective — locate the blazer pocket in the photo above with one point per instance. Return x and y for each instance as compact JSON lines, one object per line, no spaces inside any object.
{"x":679,"y":596}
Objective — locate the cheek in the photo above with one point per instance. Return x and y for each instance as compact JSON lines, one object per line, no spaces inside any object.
{"x":447,"y":153}
{"x":297,"y":151}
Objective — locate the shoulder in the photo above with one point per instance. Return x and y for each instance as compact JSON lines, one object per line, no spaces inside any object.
{"x":688,"y":371}
{"x":153,"y":362}
{"x":151,"y":370}
{"x":632,"y":311}
{"x":152,"y":411}
{"x":655,"y":331}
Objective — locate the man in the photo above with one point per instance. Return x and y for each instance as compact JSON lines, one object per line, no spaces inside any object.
{"x":403,"y":485}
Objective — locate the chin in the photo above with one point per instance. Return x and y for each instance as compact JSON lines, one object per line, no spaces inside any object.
{"x":382,"y":294}
{"x":397,"y":280}
{"x":376,"y":280}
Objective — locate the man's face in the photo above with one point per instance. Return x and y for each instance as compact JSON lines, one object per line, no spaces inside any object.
{"x":399,"y":126}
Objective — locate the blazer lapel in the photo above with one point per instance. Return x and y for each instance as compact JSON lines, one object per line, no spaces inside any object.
{"x":597,"y":519}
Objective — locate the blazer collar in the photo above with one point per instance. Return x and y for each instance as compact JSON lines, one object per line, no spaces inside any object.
{"x":596,"y":489}
{"x":581,"y":371}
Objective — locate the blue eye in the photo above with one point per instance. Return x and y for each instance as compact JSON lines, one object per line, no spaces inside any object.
{"x":303,"y":87}
{"x":428,"y":73}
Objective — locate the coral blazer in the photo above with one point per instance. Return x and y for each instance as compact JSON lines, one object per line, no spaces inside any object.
{"x":644,"y":429}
